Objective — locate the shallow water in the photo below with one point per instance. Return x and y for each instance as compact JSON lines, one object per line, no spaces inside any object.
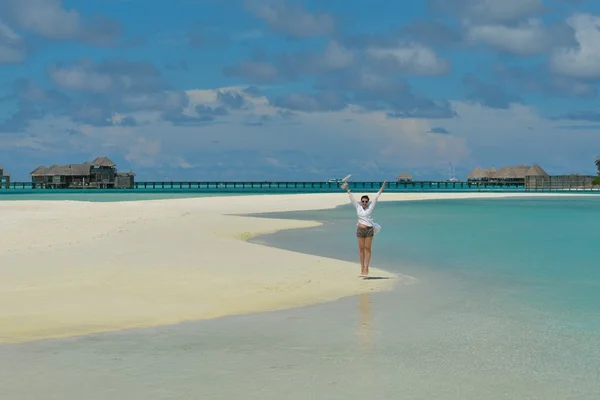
{"x":503,"y":308}
{"x":378,"y":346}
{"x":105,"y":195}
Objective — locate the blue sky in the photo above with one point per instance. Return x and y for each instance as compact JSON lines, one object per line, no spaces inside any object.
{"x":300,"y":90}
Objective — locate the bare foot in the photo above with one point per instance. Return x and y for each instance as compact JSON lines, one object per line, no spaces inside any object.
{"x":363,"y":271}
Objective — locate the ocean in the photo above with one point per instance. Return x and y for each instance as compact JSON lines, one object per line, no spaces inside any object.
{"x":504,"y":305}
{"x":108,"y":195}
{"x":507,"y":298}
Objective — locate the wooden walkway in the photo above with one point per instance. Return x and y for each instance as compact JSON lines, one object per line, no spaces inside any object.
{"x":317,"y":187}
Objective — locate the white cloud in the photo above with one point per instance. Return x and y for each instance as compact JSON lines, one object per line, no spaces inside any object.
{"x":313,"y":144}
{"x":412,"y":58}
{"x":46,"y":17}
{"x":507,"y":9}
{"x":79,"y":78}
{"x":491,"y":10}
{"x":51,"y":19}
{"x":583,"y":60}
{"x":336,"y":56}
{"x":11,"y":45}
{"x":292,"y":19}
{"x":144,"y":152}
{"x":520,"y":135}
{"x":524,"y":39}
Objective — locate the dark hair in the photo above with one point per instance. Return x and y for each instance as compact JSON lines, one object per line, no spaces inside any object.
{"x":365,"y":197}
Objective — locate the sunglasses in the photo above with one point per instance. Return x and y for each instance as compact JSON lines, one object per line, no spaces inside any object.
{"x":364,"y":201}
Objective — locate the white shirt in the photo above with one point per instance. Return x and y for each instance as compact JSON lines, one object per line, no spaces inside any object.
{"x":364,"y":215}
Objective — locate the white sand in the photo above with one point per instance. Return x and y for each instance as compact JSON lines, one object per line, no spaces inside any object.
{"x":73,"y":268}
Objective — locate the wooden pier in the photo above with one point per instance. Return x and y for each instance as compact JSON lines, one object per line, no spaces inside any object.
{"x":533,"y":185}
{"x":295,"y":187}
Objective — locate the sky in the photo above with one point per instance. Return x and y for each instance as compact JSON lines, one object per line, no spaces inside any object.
{"x":300,"y":89}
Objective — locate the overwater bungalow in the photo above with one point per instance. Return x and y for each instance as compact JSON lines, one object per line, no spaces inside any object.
{"x":507,"y":174}
{"x":404,"y":177}
{"x":479,"y":174}
{"x":100,"y":173}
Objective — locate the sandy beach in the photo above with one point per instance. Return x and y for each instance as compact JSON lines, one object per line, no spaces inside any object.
{"x":73,"y":268}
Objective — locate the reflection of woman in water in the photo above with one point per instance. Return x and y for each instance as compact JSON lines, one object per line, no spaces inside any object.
{"x":366,"y":227}
{"x":364,"y":315}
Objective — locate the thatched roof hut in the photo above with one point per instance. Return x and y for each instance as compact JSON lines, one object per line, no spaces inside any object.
{"x":481,"y":174}
{"x":72,"y":169}
{"x":491,"y":172}
{"x":505,"y":173}
{"x":39,"y":171}
{"x":477,"y":173}
{"x":69,"y":170}
{"x":536,"y":170}
{"x":515,"y":172}
{"x":103,"y":162}
{"x":404,"y":177}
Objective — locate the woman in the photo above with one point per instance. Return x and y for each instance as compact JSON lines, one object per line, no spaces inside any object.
{"x":366,"y":227}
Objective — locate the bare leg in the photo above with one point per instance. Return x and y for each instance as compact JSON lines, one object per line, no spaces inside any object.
{"x":367,"y":252}
{"x":361,"y":252}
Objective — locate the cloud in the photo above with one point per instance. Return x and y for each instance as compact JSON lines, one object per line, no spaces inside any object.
{"x":365,"y":75}
{"x":237,"y":148}
{"x":51,"y":20}
{"x":322,"y":101}
{"x":257,"y":71}
{"x":583,"y":60}
{"x":456,"y":86}
{"x":335,"y":56}
{"x":166,"y":142}
{"x":12,"y":45}
{"x":32,"y":102}
{"x":113,"y":86}
{"x":292,"y":19}
{"x":489,"y":95}
{"x":108,"y":76}
{"x":586,"y":115}
{"x":408,"y":59}
{"x":231,"y":99}
{"x":491,"y":134}
{"x":95,"y":94}
{"x":527,"y":38}
{"x":252,"y":91}
{"x":512,"y":27}
{"x":287,"y":66}
{"x":538,"y":79}
{"x":489,"y":11}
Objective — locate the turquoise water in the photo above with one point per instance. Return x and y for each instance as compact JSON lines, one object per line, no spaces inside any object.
{"x":540,"y":251}
{"x":505,"y":306}
{"x":507,"y":301}
{"x":106,"y":196}
{"x":109,"y":195}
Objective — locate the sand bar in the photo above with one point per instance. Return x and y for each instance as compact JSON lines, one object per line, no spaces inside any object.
{"x":74,"y":268}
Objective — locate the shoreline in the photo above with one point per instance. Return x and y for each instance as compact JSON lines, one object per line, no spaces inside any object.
{"x":103,"y":267}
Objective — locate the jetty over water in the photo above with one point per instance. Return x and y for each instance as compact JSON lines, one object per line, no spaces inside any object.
{"x":330,"y":187}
